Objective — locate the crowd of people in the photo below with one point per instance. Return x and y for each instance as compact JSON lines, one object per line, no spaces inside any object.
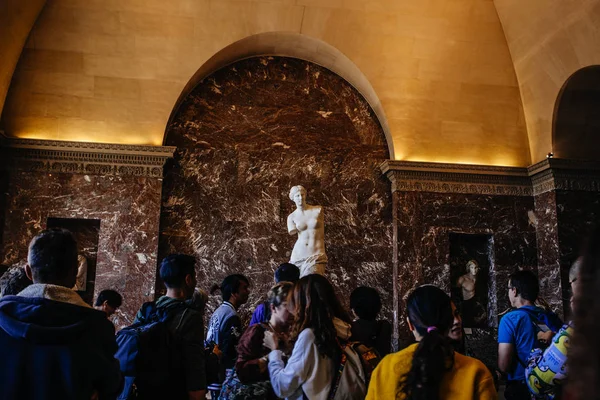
{"x":301,"y":343}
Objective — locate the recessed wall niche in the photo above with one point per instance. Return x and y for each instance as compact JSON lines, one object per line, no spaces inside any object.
{"x":244,"y":136}
{"x":86,"y":232}
{"x":473,"y":281}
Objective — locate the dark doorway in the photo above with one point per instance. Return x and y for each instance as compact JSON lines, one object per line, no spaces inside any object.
{"x":472,"y":275}
{"x":576,"y":130}
{"x":86,"y":232}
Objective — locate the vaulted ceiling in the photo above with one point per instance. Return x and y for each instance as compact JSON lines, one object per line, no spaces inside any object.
{"x":470,"y":81}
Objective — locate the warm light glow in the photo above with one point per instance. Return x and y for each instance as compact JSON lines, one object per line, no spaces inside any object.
{"x":113,"y":137}
{"x":497,"y":161}
{"x":34,"y":135}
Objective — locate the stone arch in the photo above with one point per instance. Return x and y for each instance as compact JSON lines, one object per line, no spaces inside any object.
{"x":296,"y":45}
{"x":576,"y":120}
{"x":244,"y":135}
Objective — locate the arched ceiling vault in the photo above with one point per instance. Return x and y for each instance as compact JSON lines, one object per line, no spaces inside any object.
{"x":112,"y":71}
{"x":16,"y":20}
{"x":546,"y":50}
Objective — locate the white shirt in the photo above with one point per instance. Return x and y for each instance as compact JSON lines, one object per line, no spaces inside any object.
{"x":306,"y":370}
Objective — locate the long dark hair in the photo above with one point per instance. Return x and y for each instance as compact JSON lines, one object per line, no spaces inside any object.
{"x":315,"y":305}
{"x":430,"y":312}
{"x":584,"y":354}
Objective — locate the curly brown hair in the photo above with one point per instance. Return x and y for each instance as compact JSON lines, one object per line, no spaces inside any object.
{"x":315,"y":304}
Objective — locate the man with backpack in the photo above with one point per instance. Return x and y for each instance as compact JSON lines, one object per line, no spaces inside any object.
{"x":518,"y":332}
{"x":164,"y":347}
{"x":365,"y":304}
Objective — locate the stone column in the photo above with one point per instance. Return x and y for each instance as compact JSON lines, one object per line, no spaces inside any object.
{"x":567,"y":204}
{"x":118,"y":186}
{"x":434,"y":201}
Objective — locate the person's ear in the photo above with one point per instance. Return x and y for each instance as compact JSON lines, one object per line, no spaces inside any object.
{"x":189,"y":280}
{"x":104,"y":305}
{"x":411,"y":327}
{"x":28,"y":272}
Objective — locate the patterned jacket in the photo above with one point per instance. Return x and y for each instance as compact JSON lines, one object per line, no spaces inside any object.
{"x":225,"y":329}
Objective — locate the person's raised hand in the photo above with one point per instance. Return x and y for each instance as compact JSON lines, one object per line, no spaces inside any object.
{"x":270,"y":341}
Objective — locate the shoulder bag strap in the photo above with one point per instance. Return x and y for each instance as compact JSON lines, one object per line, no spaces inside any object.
{"x":181,"y":319}
{"x":338,"y":375}
{"x":531,"y":317}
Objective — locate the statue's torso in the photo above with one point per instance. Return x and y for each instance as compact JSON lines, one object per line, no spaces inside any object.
{"x":468,"y":286}
{"x":310,"y":226}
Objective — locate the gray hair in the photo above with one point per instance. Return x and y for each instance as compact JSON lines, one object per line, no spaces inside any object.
{"x":296,"y":189}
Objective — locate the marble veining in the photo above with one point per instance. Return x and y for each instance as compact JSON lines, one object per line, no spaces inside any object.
{"x":128,"y":209}
{"x":248,"y":133}
{"x":424,"y":223}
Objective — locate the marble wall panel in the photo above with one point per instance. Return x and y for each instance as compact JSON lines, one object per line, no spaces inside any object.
{"x":128,"y":209}
{"x":424,"y":224}
{"x":576,"y":213}
{"x":548,"y":250}
{"x":245,"y":136}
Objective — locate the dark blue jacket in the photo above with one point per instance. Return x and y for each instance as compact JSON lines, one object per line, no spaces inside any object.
{"x":55,"y":350}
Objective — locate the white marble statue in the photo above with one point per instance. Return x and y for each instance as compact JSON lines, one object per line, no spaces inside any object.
{"x":80,"y":282}
{"x":467,"y":281}
{"x":307,"y":221}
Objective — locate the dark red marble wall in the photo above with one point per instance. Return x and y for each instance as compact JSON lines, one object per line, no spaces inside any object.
{"x":248,"y":133}
{"x":548,"y":250}
{"x":425,"y":222}
{"x":565,"y":218}
{"x":128,"y":209}
{"x":577,"y":213}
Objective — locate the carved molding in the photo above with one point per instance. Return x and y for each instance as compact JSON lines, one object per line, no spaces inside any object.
{"x":547,"y":175}
{"x":54,"y":156}
{"x":561,"y":174}
{"x":457,"y":178}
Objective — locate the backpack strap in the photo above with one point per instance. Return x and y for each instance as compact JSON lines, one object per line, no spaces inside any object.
{"x":181,"y":319}
{"x":338,"y":375}
{"x":533,"y":318}
{"x":148,"y":311}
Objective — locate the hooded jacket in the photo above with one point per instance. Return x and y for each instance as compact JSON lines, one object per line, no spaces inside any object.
{"x":54,"y":346}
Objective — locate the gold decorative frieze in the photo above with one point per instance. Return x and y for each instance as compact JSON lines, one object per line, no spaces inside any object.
{"x":54,"y":156}
{"x":561,"y":174}
{"x":457,"y":178}
{"x":550,"y":174}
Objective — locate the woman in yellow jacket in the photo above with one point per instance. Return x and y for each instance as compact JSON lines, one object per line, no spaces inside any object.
{"x":430,"y":369}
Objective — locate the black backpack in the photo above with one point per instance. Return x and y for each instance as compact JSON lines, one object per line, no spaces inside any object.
{"x":147,"y":350}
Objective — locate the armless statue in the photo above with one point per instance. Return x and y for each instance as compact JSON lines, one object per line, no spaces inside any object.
{"x":307,"y":221}
{"x":473,"y":311}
